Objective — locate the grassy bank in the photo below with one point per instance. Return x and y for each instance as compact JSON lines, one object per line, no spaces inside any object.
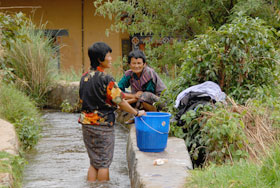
{"x":18,"y":109}
{"x":242,"y":174}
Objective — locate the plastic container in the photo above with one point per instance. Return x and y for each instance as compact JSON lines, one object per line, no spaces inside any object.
{"x":152,"y":131}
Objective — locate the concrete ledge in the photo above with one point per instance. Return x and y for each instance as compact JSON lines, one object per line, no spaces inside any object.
{"x":8,"y":143}
{"x":142,"y":171}
{"x":64,"y":91}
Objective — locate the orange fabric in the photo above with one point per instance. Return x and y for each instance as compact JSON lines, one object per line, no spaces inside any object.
{"x":90,"y":118}
{"x":114,"y":94}
{"x":109,"y":92}
{"x":100,"y":69}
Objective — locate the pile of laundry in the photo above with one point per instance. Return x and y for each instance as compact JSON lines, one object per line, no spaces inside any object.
{"x":201,"y":94}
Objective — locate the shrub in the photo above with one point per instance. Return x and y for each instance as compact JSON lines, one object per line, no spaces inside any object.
{"x":166,"y":58}
{"x":226,"y":132}
{"x":30,"y":56}
{"x":18,"y":109}
{"x":240,"y":57}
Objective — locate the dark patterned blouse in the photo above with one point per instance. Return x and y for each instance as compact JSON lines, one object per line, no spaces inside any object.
{"x":99,"y":95}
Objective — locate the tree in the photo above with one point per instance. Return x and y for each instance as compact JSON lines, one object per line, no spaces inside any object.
{"x":182,"y":18}
{"x":240,"y":57}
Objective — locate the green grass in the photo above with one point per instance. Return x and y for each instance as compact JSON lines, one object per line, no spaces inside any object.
{"x":270,"y":169}
{"x":241,"y":174}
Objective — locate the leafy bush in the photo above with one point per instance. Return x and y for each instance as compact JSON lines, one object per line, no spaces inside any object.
{"x":240,"y":57}
{"x":10,"y":25}
{"x":166,"y":58}
{"x":223,"y":133}
{"x":18,"y":109}
{"x":213,"y":134}
{"x":30,"y":56}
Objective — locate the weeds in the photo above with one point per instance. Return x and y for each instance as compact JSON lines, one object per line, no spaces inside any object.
{"x":31,"y":61}
{"x":66,"y":106}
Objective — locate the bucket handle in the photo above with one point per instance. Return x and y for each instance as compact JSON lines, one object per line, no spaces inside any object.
{"x":153,"y":128}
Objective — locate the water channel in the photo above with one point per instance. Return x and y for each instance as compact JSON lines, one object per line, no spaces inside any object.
{"x":60,"y":159}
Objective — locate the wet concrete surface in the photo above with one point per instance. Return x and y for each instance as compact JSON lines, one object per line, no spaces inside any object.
{"x":60,"y":158}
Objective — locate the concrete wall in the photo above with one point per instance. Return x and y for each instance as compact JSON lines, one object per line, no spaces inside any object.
{"x":143,"y":171}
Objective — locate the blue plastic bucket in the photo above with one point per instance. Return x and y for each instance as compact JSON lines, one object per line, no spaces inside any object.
{"x":152,"y":131}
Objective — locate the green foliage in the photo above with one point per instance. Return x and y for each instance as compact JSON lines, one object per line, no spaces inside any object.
{"x":270,"y":170}
{"x":240,"y":57}
{"x":13,"y":165}
{"x":227,"y":132}
{"x":18,"y":109}
{"x":29,"y":56}
{"x":161,"y":18}
{"x":266,"y":10}
{"x":181,"y":18}
{"x":28,"y":132}
{"x":166,"y":58}
{"x":10,"y":25}
{"x":66,"y":106}
{"x":213,"y":134}
{"x":224,"y":136}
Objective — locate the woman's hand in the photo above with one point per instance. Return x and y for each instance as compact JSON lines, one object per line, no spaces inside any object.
{"x":138,"y":94}
{"x":141,"y":113}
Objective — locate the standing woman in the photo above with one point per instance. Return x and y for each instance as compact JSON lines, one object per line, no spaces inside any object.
{"x":100,"y":97}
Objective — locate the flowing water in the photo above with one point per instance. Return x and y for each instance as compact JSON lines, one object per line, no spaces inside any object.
{"x":60,"y":158}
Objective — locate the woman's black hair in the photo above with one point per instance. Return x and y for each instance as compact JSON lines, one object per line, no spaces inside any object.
{"x":97,"y":52}
{"x":136,"y":54}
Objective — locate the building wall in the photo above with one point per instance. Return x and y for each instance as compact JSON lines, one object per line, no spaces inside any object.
{"x":65,"y":14}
